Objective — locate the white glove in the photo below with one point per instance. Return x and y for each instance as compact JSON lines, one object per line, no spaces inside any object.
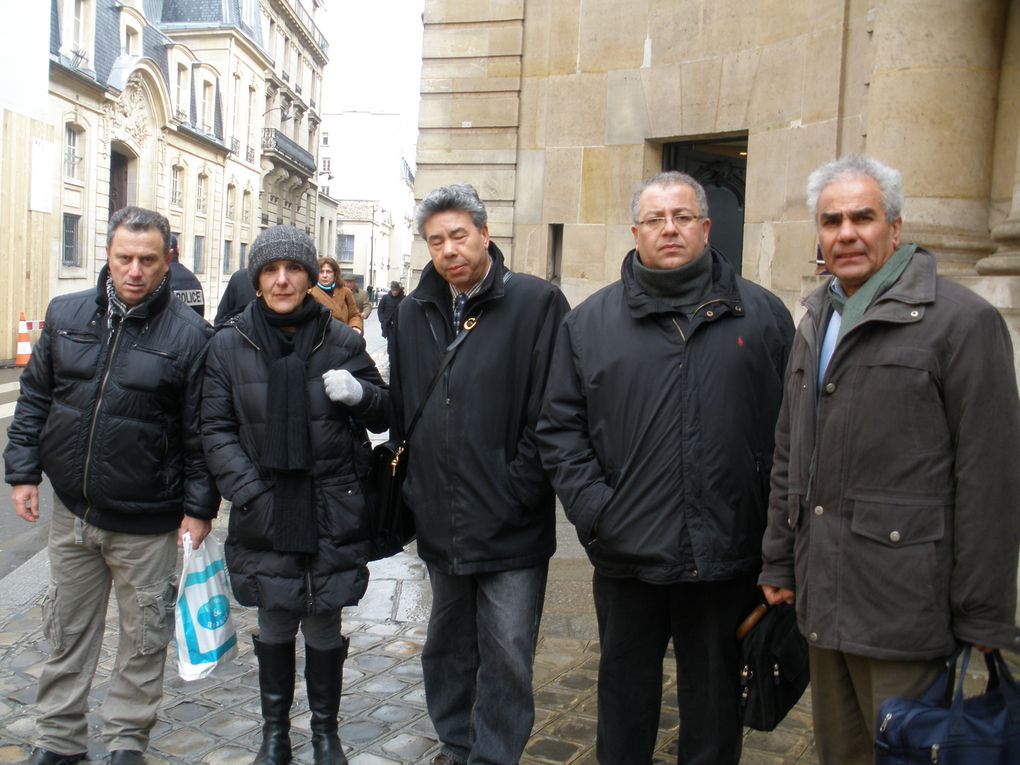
{"x":342,"y":387}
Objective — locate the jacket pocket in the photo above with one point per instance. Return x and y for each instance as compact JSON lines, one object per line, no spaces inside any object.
{"x":76,"y":354}
{"x":251,"y":524}
{"x":894,"y":574}
{"x":149,"y":369}
{"x":342,"y":513}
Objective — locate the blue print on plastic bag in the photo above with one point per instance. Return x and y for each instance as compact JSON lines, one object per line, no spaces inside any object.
{"x":215,"y":613}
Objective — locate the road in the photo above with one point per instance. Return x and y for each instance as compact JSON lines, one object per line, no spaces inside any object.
{"x":20,"y":540}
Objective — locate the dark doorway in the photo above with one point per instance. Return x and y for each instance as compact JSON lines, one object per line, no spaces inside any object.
{"x":720,"y":166}
{"x":118,"y":181}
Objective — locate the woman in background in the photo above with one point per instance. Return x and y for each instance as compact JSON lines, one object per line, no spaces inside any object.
{"x":336,"y":297}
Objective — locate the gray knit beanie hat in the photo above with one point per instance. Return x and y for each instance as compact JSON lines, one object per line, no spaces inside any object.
{"x":282,"y":243}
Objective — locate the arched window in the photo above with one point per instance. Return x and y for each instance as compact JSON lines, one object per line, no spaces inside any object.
{"x":231,"y":195}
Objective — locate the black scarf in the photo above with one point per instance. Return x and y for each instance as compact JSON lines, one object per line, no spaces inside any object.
{"x":287,"y":448}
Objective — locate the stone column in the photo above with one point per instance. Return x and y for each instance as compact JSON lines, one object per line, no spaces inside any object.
{"x":931,"y":112}
{"x":1006,"y":166}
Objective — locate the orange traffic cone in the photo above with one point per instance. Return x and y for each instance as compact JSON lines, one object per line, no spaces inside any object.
{"x":24,"y":347}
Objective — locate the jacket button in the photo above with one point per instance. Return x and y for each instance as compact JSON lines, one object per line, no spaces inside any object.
{"x":819,"y":510}
{"x":710,"y":314}
{"x":813,"y":637}
{"x":830,"y":387}
{"x":915,"y":314}
{"x":789,"y":522}
{"x":894,"y":536}
{"x":694,"y":572}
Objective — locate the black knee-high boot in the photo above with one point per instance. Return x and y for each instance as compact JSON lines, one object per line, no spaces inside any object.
{"x":324,"y":672}
{"x":276,"y":688}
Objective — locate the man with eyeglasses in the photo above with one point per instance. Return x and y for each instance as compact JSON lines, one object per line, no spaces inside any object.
{"x":657,"y":432}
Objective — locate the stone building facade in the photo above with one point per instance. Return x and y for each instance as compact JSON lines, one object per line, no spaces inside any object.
{"x":556,"y":109}
{"x":203,"y":111}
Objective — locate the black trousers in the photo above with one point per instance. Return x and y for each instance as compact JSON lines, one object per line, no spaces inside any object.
{"x":636,"y":621}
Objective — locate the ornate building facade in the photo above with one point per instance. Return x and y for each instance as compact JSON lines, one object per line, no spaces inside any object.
{"x":556,"y":109}
{"x":203,"y":111}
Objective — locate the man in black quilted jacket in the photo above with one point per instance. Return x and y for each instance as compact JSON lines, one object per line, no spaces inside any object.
{"x":109,"y":411}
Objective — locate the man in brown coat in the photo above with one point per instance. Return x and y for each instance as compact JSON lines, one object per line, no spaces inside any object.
{"x":893,"y":517}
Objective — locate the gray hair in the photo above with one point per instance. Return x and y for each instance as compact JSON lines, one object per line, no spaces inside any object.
{"x":457,"y":196}
{"x":138,"y":219}
{"x":666,"y":179}
{"x":889,"y":180}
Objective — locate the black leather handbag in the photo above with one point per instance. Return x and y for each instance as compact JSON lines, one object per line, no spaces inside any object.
{"x":949,"y":729}
{"x":774,"y":665}
{"x":392,"y":520}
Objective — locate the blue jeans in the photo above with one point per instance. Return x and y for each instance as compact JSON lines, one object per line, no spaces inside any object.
{"x":478,"y":662}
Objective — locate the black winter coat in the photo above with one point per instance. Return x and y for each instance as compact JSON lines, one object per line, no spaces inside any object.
{"x":475,"y":482}
{"x":234,"y":411}
{"x":659,"y":439}
{"x":388,"y":305}
{"x":112,"y":417}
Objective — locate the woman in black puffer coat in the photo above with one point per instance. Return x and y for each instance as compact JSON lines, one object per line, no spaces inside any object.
{"x":287,"y":389}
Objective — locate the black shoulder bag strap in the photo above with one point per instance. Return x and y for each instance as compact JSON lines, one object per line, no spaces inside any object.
{"x":451,"y":351}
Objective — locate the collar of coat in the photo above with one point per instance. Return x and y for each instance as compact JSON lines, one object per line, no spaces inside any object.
{"x":433,"y":288}
{"x":915,"y":287}
{"x":148,"y":308}
{"x":723,"y":289}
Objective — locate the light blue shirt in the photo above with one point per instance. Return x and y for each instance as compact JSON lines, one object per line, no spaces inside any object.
{"x":831,"y":334}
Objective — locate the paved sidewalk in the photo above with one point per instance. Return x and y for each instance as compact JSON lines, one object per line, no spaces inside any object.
{"x":216,"y":721}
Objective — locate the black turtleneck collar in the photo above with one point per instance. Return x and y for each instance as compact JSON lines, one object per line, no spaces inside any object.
{"x":683,"y":288}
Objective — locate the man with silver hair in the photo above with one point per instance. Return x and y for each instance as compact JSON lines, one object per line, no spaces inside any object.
{"x":893,"y":518}
{"x":657,"y":433}
{"x":483,"y":507}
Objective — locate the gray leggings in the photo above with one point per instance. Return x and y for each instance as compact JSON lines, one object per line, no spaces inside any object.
{"x":322,"y":631}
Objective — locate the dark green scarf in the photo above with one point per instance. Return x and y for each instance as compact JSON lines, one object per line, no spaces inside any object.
{"x":852,"y":309}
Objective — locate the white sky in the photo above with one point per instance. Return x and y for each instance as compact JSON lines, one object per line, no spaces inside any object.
{"x":374,"y":59}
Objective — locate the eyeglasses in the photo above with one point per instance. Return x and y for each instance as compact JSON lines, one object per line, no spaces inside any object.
{"x":680,"y":220}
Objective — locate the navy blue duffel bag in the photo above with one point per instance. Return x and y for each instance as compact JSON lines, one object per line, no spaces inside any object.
{"x":937,"y":728}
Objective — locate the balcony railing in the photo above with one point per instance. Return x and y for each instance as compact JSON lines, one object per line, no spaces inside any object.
{"x":249,"y":154}
{"x":305,"y":18}
{"x":177,"y":198}
{"x":274,"y":140}
{"x":286,"y":76}
{"x":181,"y":116}
{"x":265,"y":219}
{"x":235,"y":146}
{"x":297,"y":87}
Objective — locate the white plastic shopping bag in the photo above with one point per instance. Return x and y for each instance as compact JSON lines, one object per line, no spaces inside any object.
{"x":206,"y":636}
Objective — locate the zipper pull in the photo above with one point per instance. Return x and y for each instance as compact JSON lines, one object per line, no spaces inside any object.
{"x":885,"y":722}
{"x":934,"y":752}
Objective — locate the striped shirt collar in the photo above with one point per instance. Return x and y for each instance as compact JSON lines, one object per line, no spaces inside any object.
{"x":473,"y":290}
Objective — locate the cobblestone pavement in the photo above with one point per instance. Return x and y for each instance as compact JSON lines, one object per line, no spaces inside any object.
{"x":216,"y":721}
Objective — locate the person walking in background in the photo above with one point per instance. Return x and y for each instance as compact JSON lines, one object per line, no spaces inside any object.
{"x":238,"y":294}
{"x":483,"y":507}
{"x":337,"y":297}
{"x":361,"y":296}
{"x":388,"y":305}
{"x":186,"y":286}
{"x":893,"y":518}
{"x":286,"y":389}
{"x":657,"y":433}
{"x":109,"y":410}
